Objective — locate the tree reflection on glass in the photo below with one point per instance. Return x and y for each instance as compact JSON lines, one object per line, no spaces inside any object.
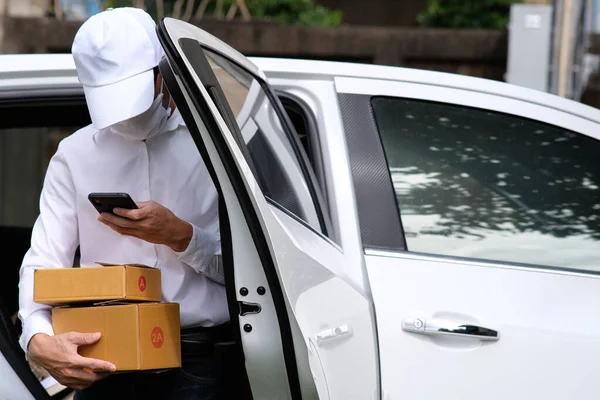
{"x":470,"y":175}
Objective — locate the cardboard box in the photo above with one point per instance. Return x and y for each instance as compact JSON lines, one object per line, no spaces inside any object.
{"x":143,"y":336}
{"x":63,"y":286}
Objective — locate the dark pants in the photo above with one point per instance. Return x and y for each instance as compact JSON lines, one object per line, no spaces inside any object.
{"x":197,"y":379}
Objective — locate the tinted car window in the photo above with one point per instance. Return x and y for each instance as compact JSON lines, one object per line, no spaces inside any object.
{"x":486,"y":185}
{"x":277,"y":167}
{"x":29,"y":135}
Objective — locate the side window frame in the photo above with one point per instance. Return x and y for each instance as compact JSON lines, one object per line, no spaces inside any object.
{"x":314,"y":153}
{"x":195,"y":52}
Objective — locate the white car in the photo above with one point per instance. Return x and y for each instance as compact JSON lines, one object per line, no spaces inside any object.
{"x":397,"y":234}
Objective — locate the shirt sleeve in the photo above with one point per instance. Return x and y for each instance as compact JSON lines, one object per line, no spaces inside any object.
{"x":203,"y":254}
{"x":54,"y":240}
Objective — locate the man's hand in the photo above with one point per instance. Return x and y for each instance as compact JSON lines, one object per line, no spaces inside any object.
{"x":151,"y":222}
{"x":58,"y":355}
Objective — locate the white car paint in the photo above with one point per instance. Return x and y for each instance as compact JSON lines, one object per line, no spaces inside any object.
{"x":298,"y":69}
{"x":11,"y":387}
{"x":548,"y":319}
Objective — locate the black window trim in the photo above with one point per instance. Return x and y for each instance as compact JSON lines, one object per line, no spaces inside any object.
{"x":312,"y":131}
{"x":373,"y":186}
{"x":33,"y":99}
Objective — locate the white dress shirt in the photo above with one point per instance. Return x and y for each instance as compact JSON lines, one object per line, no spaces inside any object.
{"x":167,"y":169}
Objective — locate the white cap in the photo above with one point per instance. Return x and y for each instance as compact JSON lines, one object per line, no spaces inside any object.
{"x":115,"y":52}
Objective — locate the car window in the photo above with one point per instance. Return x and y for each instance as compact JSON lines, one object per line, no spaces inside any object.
{"x":26,"y":146}
{"x":480,"y":184}
{"x":277,"y":167}
{"x":24,"y":157}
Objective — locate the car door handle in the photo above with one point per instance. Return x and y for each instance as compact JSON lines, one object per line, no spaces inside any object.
{"x":445,"y":327}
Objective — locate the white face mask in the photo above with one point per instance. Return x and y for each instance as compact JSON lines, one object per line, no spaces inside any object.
{"x":146,"y":125}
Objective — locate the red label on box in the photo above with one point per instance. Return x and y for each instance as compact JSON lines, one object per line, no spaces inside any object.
{"x":142,"y":283}
{"x":158,"y":337}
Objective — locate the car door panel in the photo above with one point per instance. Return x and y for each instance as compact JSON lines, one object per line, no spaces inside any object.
{"x":547,"y":322}
{"x":334,"y":317}
{"x":540,"y":352}
{"x":303,"y":261}
{"x":265,"y":365}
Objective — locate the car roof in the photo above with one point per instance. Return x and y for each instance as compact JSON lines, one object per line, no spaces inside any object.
{"x":288,"y":68}
{"x":47,"y":69}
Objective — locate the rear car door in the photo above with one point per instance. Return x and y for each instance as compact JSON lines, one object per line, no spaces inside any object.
{"x":325,"y":322}
{"x":485,"y":272}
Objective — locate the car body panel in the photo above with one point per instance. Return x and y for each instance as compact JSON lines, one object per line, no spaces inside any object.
{"x":548,"y":323}
{"x":11,"y":386}
{"x":298,"y":69}
{"x":534,"y":355}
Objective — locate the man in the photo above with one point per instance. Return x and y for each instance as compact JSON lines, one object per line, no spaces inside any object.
{"x":137,"y":144}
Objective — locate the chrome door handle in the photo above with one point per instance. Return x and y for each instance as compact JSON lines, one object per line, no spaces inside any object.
{"x":445,"y":327}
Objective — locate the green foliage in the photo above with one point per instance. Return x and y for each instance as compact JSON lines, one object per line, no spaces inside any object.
{"x":466,"y":14}
{"x":117,"y":3}
{"x":305,"y":12}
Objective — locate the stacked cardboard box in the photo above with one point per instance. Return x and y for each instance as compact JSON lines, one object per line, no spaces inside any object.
{"x":123,"y":303}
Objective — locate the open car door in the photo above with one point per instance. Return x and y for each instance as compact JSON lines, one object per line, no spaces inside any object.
{"x":306,"y":332}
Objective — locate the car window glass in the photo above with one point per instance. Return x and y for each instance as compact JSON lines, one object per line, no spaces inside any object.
{"x":24,"y":157}
{"x":26,"y":146}
{"x":486,"y":185}
{"x":276,"y":166}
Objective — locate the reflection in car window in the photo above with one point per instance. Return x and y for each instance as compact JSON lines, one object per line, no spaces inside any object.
{"x":24,"y":157}
{"x":479,"y":184}
{"x":25,"y":152}
{"x":277,"y":168}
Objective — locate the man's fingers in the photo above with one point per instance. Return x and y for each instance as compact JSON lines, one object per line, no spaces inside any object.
{"x":94,"y":364}
{"x":134,"y":215}
{"x":116,"y":220}
{"x":82,"y":339}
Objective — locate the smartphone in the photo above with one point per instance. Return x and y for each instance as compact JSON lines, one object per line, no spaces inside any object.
{"x":107,"y":202}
